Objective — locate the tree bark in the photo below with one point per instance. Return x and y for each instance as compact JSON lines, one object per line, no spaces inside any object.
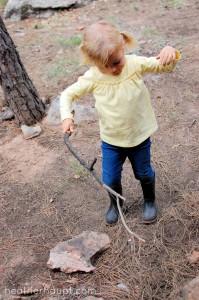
{"x":19,"y":91}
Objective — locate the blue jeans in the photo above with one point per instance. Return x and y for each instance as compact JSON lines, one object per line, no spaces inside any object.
{"x":113,"y":158}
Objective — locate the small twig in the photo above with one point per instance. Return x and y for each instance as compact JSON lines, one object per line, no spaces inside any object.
{"x":90,"y":169}
{"x":51,"y":280}
{"x":92,"y":164}
{"x":193,"y":123}
{"x":124,"y":223}
{"x":39,"y":245}
{"x":113,"y":192}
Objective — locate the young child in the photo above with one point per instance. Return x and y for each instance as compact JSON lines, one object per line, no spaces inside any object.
{"x":126,"y":117}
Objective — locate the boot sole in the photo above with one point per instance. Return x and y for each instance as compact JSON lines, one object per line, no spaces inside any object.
{"x":149,"y":221}
{"x":110,"y":224}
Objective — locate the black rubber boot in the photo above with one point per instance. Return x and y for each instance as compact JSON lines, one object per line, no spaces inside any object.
{"x":113,"y":213}
{"x":150,"y":211}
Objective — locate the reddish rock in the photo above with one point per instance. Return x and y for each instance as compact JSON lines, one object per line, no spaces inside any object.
{"x":189,"y":291}
{"x":75,"y":254}
{"x":193,"y":258}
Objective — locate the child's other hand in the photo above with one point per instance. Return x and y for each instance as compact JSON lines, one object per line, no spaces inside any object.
{"x":166,"y":55}
{"x":67,"y":126}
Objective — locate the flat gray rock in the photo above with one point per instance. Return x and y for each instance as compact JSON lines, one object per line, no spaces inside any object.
{"x":7,"y":114}
{"x":82,"y":113}
{"x":30,"y":131}
{"x":75,"y":254}
{"x":22,"y":9}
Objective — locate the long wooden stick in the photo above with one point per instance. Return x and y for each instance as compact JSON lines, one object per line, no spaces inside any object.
{"x":90,"y":169}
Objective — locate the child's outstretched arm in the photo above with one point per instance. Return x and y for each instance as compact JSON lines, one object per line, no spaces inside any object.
{"x":165,"y":61}
{"x":76,"y":90}
{"x":166,"y":55}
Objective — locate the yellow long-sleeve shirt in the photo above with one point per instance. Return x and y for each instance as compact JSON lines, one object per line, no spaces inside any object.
{"x":126,"y":117}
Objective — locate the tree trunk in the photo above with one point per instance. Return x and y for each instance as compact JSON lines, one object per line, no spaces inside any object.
{"x":19,"y":91}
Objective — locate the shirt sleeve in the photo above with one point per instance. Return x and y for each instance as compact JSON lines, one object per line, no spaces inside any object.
{"x":83,"y":86}
{"x":152,"y":65}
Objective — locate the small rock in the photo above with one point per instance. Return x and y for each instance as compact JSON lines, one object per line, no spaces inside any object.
{"x":122,"y":286}
{"x":30,"y":131}
{"x":189,"y":291}
{"x":193,"y":258}
{"x":7,"y":114}
{"x":76,"y":176}
{"x":75,"y":254}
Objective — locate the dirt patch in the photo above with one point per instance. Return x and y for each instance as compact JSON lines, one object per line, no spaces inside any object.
{"x":31,"y":158}
{"x":42,"y":203}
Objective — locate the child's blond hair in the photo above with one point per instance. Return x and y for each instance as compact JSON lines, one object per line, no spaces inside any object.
{"x":101,"y":39}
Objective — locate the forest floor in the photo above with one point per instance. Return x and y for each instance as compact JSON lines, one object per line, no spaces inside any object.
{"x":43,"y":202}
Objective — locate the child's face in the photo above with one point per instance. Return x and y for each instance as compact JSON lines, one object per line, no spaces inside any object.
{"x":114,"y":65}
